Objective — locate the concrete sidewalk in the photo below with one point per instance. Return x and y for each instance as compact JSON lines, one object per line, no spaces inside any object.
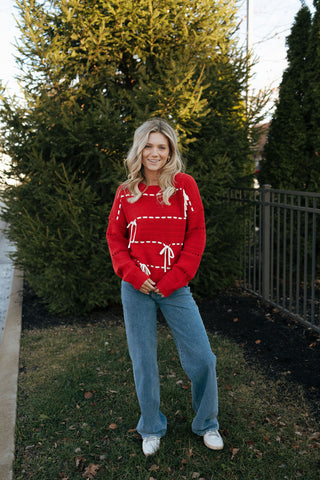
{"x":6,"y":273}
{"x":9,"y":366}
{"x":11,"y":284}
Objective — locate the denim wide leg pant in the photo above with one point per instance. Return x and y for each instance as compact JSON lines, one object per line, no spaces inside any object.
{"x":196,"y":356}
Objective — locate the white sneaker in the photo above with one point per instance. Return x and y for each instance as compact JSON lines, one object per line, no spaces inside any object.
{"x":150,"y":445}
{"x":212,"y":439}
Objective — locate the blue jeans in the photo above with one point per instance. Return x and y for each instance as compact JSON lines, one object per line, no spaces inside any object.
{"x":196,"y":356}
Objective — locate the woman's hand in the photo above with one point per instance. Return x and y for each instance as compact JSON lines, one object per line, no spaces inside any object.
{"x":156,"y":290}
{"x":147,"y":287}
{"x":150,"y":286}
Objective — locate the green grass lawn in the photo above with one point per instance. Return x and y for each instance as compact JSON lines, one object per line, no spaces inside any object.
{"x":77,"y":413}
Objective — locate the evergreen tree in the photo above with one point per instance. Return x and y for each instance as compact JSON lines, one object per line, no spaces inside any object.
{"x":312,"y":164}
{"x":221,"y":159}
{"x":92,"y":72}
{"x":286,"y":154}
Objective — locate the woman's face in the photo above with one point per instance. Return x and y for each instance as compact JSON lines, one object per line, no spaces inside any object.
{"x":155,"y":153}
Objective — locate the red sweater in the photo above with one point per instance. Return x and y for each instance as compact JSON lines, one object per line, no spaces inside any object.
{"x":151,"y":239}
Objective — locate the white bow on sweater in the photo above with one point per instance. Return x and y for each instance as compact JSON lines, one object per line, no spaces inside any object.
{"x":168,"y":256}
{"x":133,"y":231}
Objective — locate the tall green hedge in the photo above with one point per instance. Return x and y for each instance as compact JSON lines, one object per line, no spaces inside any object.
{"x":92,"y":72}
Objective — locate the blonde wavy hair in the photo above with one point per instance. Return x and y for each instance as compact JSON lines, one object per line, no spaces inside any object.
{"x":134,"y":165}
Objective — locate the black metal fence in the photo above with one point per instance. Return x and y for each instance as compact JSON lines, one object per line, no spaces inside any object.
{"x":279,"y":259}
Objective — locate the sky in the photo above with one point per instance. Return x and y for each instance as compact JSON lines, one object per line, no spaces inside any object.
{"x":271,"y":22}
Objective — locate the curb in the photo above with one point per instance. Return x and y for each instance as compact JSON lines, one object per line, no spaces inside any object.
{"x":9,"y":366}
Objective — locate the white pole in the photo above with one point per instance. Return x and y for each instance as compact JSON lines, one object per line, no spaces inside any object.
{"x":249,"y":13}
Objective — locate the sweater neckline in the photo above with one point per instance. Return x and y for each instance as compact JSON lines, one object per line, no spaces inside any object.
{"x":150,"y":188}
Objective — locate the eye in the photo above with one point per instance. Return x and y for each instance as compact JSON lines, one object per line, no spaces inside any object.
{"x":147,"y":146}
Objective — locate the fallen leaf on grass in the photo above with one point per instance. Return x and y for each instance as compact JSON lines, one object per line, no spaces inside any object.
{"x":154,"y":468}
{"x":189,"y":452}
{"x":258,"y":341}
{"x":113,"y":426}
{"x":258,"y":453}
{"x":91,"y":471}
{"x":236,"y":320}
{"x":88,"y":395}
{"x":80,"y":461}
{"x":234,"y":452}
{"x":63,"y":476}
{"x":315,"y":439}
{"x":314,"y":436}
{"x":250,"y":442}
{"x":42,"y":416}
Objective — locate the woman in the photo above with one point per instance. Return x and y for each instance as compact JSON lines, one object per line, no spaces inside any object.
{"x":156,"y":237}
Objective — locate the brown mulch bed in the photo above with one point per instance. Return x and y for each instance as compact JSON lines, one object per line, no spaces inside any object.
{"x":279,"y":345}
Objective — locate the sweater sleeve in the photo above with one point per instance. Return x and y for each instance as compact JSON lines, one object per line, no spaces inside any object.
{"x":194,"y":243}
{"x":117,"y":237}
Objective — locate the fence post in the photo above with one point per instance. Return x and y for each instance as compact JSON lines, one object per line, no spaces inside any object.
{"x":265,"y":197}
